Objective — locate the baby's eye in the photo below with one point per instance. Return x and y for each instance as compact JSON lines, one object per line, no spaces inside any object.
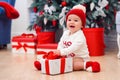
{"x":69,"y":19}
{"x":76,"y":20}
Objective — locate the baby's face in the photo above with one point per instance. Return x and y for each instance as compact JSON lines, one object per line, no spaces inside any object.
{"x":74,"y":23}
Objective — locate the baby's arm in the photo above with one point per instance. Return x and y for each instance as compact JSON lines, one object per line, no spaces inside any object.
{"x":71,"y":49}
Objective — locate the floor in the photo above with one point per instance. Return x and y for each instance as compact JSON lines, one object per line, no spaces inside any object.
{"x":20,"y":67}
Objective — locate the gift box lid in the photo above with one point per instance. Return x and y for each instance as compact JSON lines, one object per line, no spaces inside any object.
{"x":25,"y":38}
{"x":48,"y":46}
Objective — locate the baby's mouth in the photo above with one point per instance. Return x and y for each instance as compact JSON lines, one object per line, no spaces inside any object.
{"x":72,"y":26}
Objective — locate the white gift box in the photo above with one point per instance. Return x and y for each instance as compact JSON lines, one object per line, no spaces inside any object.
{"x":23,"y":45}
{"x":56,"y":66}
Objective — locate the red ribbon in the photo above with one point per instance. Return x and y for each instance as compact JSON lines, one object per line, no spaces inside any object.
{"x":47,"y":66}
{"x":41,"y":52}
{"x":24,"y":46}
{"x":62,"y":66}
{"x":27,"y":35}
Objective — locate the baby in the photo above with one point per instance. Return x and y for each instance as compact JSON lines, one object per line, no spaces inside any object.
{"x":73,"y":42}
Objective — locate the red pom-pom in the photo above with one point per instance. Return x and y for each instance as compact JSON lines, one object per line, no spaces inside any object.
{"x":37,"y":65}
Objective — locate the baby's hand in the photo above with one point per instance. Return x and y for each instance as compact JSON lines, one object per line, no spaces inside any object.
{"x":57,"y":52}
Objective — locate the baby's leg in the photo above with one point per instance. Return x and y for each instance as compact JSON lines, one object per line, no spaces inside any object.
{"x":78,"y":63}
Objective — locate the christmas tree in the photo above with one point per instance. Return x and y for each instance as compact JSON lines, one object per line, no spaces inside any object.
{"x":50,"y":14}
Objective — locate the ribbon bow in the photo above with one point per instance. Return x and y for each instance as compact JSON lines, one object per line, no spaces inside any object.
{"x":52,"y":55}
{"x":27,"y":35}
{"x":25,"y":46}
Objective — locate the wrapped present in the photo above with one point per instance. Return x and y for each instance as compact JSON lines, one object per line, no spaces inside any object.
{"x":56,"y":66}
{"x":25,"y":43}
{"x":42,"y":49}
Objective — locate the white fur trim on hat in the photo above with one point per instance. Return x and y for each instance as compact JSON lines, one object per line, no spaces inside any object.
{"x":80,"y":7}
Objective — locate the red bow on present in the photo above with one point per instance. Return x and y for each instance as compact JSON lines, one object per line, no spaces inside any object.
{"x":24,"y":46}
{"x":24,"y":35}
{"x":27,"y":35}
{"x":52,"y":55}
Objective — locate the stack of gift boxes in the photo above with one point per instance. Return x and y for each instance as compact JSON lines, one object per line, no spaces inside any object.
{"x":37,"y":44}
{"x":34,"y":44}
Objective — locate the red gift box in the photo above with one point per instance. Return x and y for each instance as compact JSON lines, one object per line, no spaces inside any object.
{"x":46,"y":37}
{"x":56,"y":66}
{"x":46,"y":47}
{"x":25,"y":43}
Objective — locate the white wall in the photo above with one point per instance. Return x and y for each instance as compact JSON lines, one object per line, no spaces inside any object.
{"x":20,"y":24}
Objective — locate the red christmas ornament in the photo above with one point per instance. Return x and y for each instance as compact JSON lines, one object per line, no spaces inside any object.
{"x":107,"y":7}
{"x":35,"y":9}
{"x":63,"y":3}
{"x":41,"y":13}
{"x":54,"y":22}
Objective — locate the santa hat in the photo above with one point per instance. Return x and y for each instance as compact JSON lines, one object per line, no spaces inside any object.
{"x":80,"y":11}
{"x":10,"y":11}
